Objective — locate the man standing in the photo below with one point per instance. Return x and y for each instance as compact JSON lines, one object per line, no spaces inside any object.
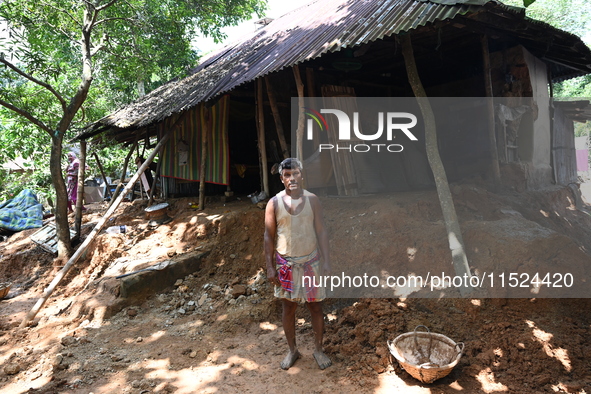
{"x":296,"y":246}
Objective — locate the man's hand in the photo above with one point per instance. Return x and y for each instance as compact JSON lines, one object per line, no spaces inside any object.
{"x":272,"y":276}
{"x":326,"y":268}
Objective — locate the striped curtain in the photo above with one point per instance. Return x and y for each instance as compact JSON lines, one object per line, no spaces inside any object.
{"x":181,"y":157}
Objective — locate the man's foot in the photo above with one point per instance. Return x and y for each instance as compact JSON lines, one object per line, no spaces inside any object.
{"x":322,"y":359}
{"x":290,"y":359}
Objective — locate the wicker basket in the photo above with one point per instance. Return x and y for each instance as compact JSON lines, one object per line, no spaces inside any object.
{"x":4,"y":289}
{"x":426,"y":356}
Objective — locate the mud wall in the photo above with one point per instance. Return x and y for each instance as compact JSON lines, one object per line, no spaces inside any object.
{"x":517,"y":74}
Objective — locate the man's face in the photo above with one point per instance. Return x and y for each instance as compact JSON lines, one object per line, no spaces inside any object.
{"x":292,"y":178}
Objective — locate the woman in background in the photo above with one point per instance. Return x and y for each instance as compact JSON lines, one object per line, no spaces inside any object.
{"x":72,"y":180}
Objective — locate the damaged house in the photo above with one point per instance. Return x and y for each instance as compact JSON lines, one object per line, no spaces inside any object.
{"x":231,"y":119}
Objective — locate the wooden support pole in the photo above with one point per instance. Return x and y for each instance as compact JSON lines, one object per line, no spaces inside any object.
{"x":99,"y":226}
{"x":154,"y":181}
{"x":300,"y":129}
{"x":262,"y":141}
{"x":277,"y":117}
{"x":202,"y":169}
{"x":125,"y":164}
{"x":450,"y":218}
{"x":100,"y":166}
{"x":80,"y":191}
{"x":494,"y":153}
{"x":312,"y":93}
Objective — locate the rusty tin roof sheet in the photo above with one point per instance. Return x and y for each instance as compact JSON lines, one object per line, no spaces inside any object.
{"x":306,"y":33}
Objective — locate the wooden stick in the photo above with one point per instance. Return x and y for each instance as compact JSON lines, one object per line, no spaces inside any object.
{"x":80,"y":191}
{"x":450,"y":218}
{"x":99,"y":226}
{"x":204,"y":140}
{"x":125,"y":164}
{"x":100,"y":166}
{"x":312,"y":93}
{"x":494,"y":153}
{"x":277,"y":117}
{"x":154,"y":181}
{"x":262,"y":142}
{"x":300,"y":129}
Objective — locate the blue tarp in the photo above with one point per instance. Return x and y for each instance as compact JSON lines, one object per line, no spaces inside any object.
{"x":22,"y":212}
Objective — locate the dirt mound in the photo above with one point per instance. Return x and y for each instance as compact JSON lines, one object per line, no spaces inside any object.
{"x":219,"y":330}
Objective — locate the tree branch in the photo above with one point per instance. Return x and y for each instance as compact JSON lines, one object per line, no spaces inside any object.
{"x":34,"y":80}
{"x":100,"y":45}
{"x":110,"y":3}
{"x":26,"y":115}
{"x":62,"y":11}
{"x":114,"y":19}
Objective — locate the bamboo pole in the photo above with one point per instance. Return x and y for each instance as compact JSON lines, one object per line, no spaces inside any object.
{"x":312,"y":93}
{"x":125,"y":164}
{"x":80,"y":190}
{"x":494,"y":153}
{"x":262,"y":142}
{"x":99,"y":226}
{"x":277,"y":117}
{"x":204,"y":140}
{"x":100,"y":166}
{"x":300,"y":129}
{"x":154,"y":181}
{"x":450,"y":218}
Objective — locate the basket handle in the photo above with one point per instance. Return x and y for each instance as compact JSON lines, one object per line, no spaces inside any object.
{"x":390,"y":342}
{"x":459,"y":345}
{"x":417,"y":343}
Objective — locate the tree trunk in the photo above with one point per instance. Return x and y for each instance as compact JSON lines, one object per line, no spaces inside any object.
{"x":80,"y":197}
{"x":454,"y":234}
{"x":62,"y":228}
{"x":64,"y":248}
{"x":99,"y":226}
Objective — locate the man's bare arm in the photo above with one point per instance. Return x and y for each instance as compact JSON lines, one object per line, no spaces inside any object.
{"x":321,"y":233}
{"x":269,"y":243}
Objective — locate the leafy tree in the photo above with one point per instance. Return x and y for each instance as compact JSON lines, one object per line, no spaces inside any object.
{"x":53,"y":51}
{"x":573,"y":16}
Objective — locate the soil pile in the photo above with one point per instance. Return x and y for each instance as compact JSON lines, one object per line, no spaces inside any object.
{"x":219,"y":329}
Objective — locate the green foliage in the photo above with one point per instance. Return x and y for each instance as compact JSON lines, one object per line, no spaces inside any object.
{"x":527,"y":3}
{"x":573,"y":16}
{"x":582,"y":129}
{"x":130,"y":42}
{"x":35,"y":178}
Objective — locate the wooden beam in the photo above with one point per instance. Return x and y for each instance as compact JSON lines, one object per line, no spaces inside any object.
{"x":492,"y":139}
{"x":300,"y":129}
{"x":204,"y":141}
{"x":100,"y":166}
{"x":80,"y":191}
{"x":125,"y":164}
{"x":261,"y":135}
{"x":277,"y":117}
{"x":450,"y":218}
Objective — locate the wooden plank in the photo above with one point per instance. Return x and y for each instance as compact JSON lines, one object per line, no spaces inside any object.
{"x":46,"y":237}
{"x":342,"y":161}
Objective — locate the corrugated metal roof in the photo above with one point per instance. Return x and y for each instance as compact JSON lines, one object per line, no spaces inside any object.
{"x":306,"y":33}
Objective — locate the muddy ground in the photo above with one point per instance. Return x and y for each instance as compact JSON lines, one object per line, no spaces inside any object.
{"x":218,"y":330}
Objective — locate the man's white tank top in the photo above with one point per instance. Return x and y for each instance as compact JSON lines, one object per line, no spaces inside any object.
{"x":296,"y":235}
